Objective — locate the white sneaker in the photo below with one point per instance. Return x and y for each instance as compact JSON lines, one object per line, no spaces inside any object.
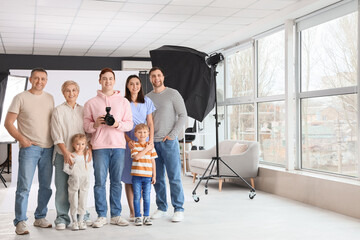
{"x":101,"y":221}
{"x":158,"y":214}
{"x":43,"y":223}
{"x":178,"y":217}
{"x":21,"y":228}
{"x":75,"y":226}
{"x":119,"y":221}
{"x":147,"y":221}
{"x":89,"y":222}
{"x":82,"y":225}
{"x":60,"y":226}
{"x":138,"y":221}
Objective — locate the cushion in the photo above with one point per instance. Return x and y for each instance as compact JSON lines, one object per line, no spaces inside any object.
{"x":199,"y":165}
{"x":238,"y":149}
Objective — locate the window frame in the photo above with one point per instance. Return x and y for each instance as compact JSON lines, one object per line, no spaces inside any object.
{"x":321,"y":16}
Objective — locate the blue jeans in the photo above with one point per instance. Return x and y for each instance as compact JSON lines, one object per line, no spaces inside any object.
{"x":29,"y":158}
{"x":169,"y":160}
{"x":62,"y":204}
{"x":108,"y":160}
{"x":144,"y":184}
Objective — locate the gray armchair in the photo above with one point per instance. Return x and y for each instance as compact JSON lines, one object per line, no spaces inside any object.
{"x":245,"y":164}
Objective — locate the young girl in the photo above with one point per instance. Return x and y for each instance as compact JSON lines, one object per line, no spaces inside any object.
{"x":78,"y":181}
{"x":143,"y":172}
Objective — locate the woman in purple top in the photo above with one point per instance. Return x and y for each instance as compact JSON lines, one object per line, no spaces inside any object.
{"x":142,"y":108}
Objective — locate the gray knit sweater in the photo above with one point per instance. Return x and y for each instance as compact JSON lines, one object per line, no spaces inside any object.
{"x":170,"y":114}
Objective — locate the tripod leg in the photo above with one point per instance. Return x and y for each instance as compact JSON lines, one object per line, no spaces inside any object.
{"x":202,"y":177}
{"x":252,"y":189}
{"x":3,"y":180}
{"x":207,"y":180}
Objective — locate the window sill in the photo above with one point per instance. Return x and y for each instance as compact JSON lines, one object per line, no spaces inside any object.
{"x":314,"y":174}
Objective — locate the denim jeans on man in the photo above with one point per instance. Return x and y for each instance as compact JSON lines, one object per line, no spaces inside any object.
{"x":108,"y":160}
{"x":169,"y":159}
{"x":141,"y":184}
{"x":29,"y":158}
{"x":62,"y":204}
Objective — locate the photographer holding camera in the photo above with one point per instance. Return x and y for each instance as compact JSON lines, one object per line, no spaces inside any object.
{"x":107,"y":116}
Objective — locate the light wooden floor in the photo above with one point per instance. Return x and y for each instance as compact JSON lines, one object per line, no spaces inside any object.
{"x":229,"y":214}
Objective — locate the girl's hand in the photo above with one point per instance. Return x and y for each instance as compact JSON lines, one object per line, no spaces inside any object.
{"x":153,"y":180}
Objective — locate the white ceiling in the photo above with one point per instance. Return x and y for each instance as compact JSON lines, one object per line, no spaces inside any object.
{"x":130,"y":28}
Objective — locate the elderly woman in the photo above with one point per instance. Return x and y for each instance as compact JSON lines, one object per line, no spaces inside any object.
{"x":66,"y":121}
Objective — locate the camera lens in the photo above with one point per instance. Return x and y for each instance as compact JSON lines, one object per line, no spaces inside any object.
{"x":109,"y":119}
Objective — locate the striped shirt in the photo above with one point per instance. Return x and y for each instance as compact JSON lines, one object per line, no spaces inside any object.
{"x":143,"y":166}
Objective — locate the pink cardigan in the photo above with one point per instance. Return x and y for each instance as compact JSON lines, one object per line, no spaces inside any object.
{"x":105,"y":136}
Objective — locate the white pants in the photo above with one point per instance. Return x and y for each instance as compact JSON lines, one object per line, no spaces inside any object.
{"x":78,"y":191}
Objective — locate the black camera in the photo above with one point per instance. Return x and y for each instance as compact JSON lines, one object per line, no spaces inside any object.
{"x":109,"y":119}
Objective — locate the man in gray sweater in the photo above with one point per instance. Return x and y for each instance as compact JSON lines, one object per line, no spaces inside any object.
{"x":169,"y":118}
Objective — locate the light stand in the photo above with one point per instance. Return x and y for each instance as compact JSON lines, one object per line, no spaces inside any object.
{"x":213,"y":60}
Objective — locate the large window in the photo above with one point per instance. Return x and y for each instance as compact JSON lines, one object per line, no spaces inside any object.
{"x":241,"y":122}
{"x":329,"y":134}
{"x":271,"y":65}
{"x":271,"y":130}
{"x":322,"y":115}
{"x":270,"y":97}
{"x":328,"y":99}
{"x":329,"y":54}
{"x":240,"y":74}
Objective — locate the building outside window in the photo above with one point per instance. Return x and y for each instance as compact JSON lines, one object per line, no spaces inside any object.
{"x":328,"y":97}
{"x":270,"y":97}
{"x":240,"y":73}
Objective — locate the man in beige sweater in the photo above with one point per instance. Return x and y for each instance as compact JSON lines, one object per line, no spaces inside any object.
{"x":32,"y":109}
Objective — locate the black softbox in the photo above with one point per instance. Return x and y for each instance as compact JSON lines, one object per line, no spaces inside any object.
{"x":185,"y":70}
{"x":3,"y":82}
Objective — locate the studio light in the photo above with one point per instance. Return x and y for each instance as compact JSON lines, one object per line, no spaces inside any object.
{"x":214,"y":59}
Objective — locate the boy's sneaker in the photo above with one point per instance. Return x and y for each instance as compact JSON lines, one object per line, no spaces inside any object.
{"x":75,"y":226}
{"x":138,"y":221}
{"x":60,"y":226}
{"x":147,"y":221}
{"x":119,"y":221}
{"x":82,"y":225}
{"x":43,"y":223}
{"x":101,"y":221}
{"x":158,"y":214}
{"x":21,"y":228}
{"x":88,"y":222}
{"x":178,"y":217}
